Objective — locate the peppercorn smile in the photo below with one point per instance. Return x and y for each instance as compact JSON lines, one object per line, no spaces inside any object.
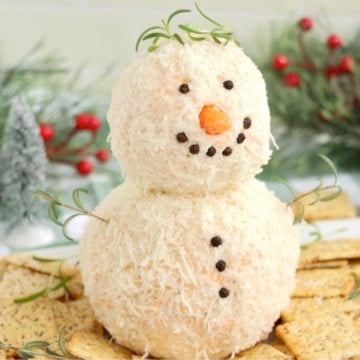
{"x":194,"y":149}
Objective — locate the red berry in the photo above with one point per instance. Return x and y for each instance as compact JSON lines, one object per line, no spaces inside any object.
{"x":331,"y":71}
{"x":87,"y":122}
{"x":102,"y":155}
{"x":292,"y":80}
{"x":84,"y":167}
{"x":46,"y":132}
{"x":305,"y":24}
{"x":94,"y":123}
{"x":346,"y":64}
{"x":280,"y":62}
{"x":333,"y":41}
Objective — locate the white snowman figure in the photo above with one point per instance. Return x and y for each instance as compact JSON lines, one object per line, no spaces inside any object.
{"x":198,"y":257}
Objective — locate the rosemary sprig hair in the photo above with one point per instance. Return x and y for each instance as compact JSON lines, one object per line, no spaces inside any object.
{"x":317,"y":191}
{"x":54,"y":202}
{"x":220,"y":34}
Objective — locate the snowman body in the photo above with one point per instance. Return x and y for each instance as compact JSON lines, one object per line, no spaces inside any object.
{"x":198,"y":257}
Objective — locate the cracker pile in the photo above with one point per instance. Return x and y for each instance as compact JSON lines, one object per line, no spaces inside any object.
{"x":321,"y":321}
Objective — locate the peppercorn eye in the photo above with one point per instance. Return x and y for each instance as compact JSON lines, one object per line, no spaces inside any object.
{"x":184,"y":88}
{"x":228,"y":84}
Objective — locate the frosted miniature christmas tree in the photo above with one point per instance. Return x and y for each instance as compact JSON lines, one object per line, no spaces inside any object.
{"x":22,"y":164}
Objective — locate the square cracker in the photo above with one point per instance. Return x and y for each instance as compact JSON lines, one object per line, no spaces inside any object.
{"x":304,"y":306}
{"x":21,"y":323}
{"x":262,"y":352}
{"x":323,"y":283}
{"x":330,"y":250}
{"x":322,"y":336}
{"x":75,"y":316}
{"x":331,"y":264}
{"x":56,"y":268}
{"x":20,"y":282}
{"x":87,"y":345}
{"x":339,"y":208}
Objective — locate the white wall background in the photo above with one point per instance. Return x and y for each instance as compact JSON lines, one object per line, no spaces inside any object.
{"x":98,"y":32}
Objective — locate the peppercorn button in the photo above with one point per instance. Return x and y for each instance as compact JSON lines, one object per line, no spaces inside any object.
{"x":216,"y":241}
{"x":224,"y":292}
{"x":220,"y":265}
{"x":228,"y":84}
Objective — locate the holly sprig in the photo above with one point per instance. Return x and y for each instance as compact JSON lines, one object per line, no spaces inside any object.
{"x":55,"y":202}
{"x":220,"y":34}
{"x":317,"y":191}
{"x":41,"y":348}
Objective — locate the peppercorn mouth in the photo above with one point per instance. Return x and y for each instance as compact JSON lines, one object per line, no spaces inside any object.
{"x":194,"y":148}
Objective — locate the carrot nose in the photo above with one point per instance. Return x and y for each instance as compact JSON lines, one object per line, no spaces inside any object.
{"x":213,"y":120}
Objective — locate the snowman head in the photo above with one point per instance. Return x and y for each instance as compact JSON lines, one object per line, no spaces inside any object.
{"x":191,"y":118}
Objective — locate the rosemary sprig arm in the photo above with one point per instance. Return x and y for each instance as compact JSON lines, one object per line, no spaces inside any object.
{"x":315,"y":191}
{"x":55,"y":202}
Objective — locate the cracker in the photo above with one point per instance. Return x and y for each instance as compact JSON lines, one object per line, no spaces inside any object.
{"x":324,"y":264}
{"x":262,"y":352}
{"x":323,"y":336}
{"x":323,"y":283}
{"x":21,"y":323}
{"x":75,"y":316}
{"x":304,"y":306}
{"x":90,"y":346}
{"x":330,"y":250}
{"x":20,"y":282}
{"x":339,"y":208}
{"x":76,"y":287}
{"x":57,"y":268}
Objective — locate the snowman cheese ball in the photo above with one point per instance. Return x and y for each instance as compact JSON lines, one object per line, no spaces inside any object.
{"x":198,"y":258}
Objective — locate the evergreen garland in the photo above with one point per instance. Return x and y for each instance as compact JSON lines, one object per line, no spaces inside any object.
{"x":314,"y":97}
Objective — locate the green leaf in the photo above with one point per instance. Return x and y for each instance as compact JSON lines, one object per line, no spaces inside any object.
{"x":207,"y":17}
{"x":216,"y":39}
{"x":66,"y":224}
{"x":156,"y":35}
{"x":52,"y":213}
{"x":332,"y":196}
{"x":195,"y":38}
{"x":299,"y":214}
{"x":356,"y":292}
{"x":61,"y":284}
{"x":36,"y":344}
{"x":76,"y":197}
{"x":61,"y":343}
{"x":46,"y":260}
{"x":140,"y":38}
{"x":188,"y":29}
{"x":31,"y":297}
{"x":178,"y":38}
{"x":180,"y":11}
{"x":42,"y":194}
{"x":331,"y":165}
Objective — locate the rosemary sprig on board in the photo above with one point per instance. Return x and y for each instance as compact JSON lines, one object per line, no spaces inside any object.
{"x":220,"y":34}
{"x":41,"y":348}
{"x":54,"y":202}
{"x":356,"y":292}
{"x":317,"y":191}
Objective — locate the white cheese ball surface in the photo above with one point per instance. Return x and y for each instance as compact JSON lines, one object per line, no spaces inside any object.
{"x":148,"y":111}
{"x":151,"y":275}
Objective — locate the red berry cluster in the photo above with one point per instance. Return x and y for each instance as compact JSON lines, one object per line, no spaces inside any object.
{"x":62,"y":152}
{"x":344,"y":66}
